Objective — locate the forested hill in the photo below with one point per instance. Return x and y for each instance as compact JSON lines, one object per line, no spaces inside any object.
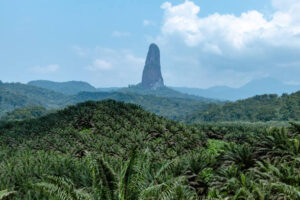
{"x":189,"y":109}
{"x":16,"y":95}
{"x":172,"y":108}
{"x":258,"y":108}
{"x":68,"y":88}
{"x":163,"y":92}
{"x":72,"y":143}
{"x":106,"y":119}
{"x":111,"y":150}
{"x":75,"y":87}
{"x":24,"y":113}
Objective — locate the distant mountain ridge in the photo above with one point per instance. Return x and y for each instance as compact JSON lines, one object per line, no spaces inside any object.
{"x":76,"y":87}
{"x":69,"y":88}
{"x":163,"y":92}
{"x":16,"y":95}
{"x":258,"y":108}
{"x":221,"y":93}
{"x":255,"y":87}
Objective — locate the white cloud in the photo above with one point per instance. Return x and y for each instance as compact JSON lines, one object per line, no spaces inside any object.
{"x":100,"y":65}
{"x":120,"y":34}
{"x":46,"y":69}
{"x":237,"y":31}
{"x":212,"y":48}
{"x":229,"y":49}
{"x":203,"y":51}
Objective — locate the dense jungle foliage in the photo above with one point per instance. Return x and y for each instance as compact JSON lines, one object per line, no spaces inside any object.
{"x":111,"y":150}
{"x":258,"y":108}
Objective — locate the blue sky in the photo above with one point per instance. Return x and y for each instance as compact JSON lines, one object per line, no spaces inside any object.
{"x":203,"y":42}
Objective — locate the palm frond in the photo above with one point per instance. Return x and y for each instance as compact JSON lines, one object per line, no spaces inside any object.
{"x":126,"y":173}
{"x":5,"y":194}
{"x":62,"y":188}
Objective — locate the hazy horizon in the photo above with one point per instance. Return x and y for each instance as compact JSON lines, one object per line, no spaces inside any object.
{"x":203,"y":43}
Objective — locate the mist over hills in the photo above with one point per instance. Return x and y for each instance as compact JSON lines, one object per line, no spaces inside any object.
{"x":255,"y":87}
{"x":25,"y":98}
{"x":184,"y":104}
{"x":69,"y":87}
{"x":17,"y":95}
{"x":151,"y":94}
{"x":75,"y":87}
{"x":217,"y":93}
{"x":183,"y":108}
{"x":153,"y":84}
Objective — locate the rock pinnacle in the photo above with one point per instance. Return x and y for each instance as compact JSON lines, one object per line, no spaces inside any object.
{"x":152,"y":77}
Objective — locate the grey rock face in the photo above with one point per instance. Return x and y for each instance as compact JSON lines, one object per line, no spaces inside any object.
{"x":152,"y":78}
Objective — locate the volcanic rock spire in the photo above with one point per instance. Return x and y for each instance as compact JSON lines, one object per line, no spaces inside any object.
{"x":152,"y":78}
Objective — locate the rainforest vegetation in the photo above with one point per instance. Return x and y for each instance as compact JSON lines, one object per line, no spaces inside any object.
{"x":24,"y":113}
{"x":163,"y":102}
{"x":169,"y":107}
{"x":112,"y":150}
{"x":67,"y":88}
{"x":259,"y":108}
{"x":17,"y":95}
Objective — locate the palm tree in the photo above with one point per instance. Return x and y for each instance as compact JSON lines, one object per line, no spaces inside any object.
{"x":231,"y":183}
{"x":281,"y":178}
{"x":137,"y":179}
{"x":104,"y":178}
{"x":275,"y":143}
{"x":62,"y":189}
{"x":198,"y":168}
{"x":243,"y":156}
